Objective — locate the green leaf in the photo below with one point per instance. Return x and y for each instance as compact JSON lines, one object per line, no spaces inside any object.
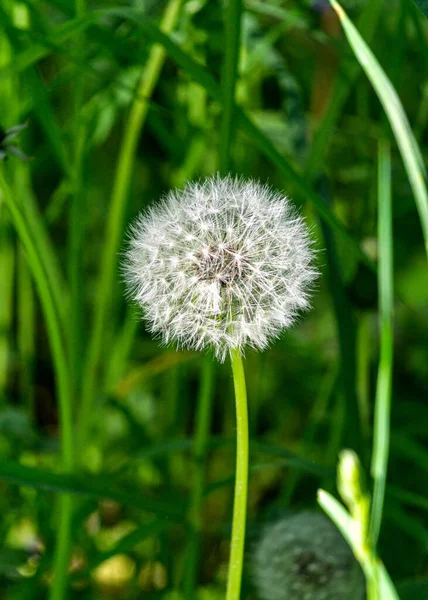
{"x":390,"y":101}
{"x":423,"y":6}
{"x":92,"y":487}
{"x":37,"y":51}
{"x":127,"y":543}
{"x":340,"y":517}
{"x":409,"y":590}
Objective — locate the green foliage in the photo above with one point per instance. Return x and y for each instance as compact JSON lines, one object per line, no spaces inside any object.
{"x":123,"y":102}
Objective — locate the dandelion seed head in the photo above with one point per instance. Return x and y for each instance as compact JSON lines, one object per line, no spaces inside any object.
{"x":304,"y":557}
{"x":224,"y":263}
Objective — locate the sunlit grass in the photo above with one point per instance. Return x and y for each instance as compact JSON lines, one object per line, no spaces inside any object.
{"x":122,"y":104}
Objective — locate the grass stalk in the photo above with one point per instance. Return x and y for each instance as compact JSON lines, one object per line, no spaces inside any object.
{"x":363,"y":373}
{"x":7,"y":261}
{"x":116,"y":214}
{"x":26,"y":332}
{"x":26,"y":306}
{"x":77,"y":214}
{"x":230,"y":68}
{"x":381,"y":440}
{"x":63,"y":382}
{"x":241,"y":480}
{"x":201,"y":440}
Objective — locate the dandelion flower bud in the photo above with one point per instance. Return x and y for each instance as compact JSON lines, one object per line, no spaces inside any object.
{"x":304,"y":557}
{"x":224,"y":263}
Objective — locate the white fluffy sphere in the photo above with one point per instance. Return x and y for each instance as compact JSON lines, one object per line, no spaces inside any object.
{"x":224,"y":263}
{"x":304,"y":557}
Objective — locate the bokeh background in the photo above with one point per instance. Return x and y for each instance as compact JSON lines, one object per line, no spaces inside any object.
{"x":113,"y":122}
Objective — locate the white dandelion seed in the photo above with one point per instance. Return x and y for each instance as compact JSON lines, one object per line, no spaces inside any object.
{"x":304,"y":557}
{"x":224,"y":263}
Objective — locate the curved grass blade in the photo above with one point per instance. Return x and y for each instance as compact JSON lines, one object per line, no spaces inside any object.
{"x":381,"y":441}
{"x":422,"y":5}
{"x":92,"y":487}
{"x":62,"y":376}
{"x":390,"y":101}
{"x":51,"y":43}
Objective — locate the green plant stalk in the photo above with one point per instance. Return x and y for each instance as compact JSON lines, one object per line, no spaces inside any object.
{"x":26,"y":333}
{"x":384,"y":382}
{"x":7,"y":249}
{"x":26,"y":330}
{"x":201,"y":440}
{"x":241,"y":480}
{"x":63,"y":383}
{"x":76,"y":328}
{"x":116,"y":213}
{"x":7,"y":261}
{"x":363,"y":373}
{"x":230,"y":67}
{"x":77,"y":214}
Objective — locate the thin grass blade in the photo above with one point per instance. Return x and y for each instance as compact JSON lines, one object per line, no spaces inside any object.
{"x":387,"y":95}
{"x":384,"y":382}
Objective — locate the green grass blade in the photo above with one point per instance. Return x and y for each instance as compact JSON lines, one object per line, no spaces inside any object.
{"x":26,"y":334}
{"x":50,"y":43}
{"x":91,"y":487}
{"x":387,"y":95}
{"x":233,"y":17}
{"x":63,"y":383}
{"x":35,"y":261}
{"x":114,"y":228}
{"x":422,"y":5}
{"x":381,"y":441}
{"x":31,"y":214}
{"x":7,"y":261}
{"x":340,"y":517}
{"x":127,"y":544}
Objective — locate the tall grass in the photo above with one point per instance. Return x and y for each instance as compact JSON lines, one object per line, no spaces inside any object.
{"x":122,"y":104}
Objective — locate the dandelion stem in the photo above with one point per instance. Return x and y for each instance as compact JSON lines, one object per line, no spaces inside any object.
{"x":241,"y":480}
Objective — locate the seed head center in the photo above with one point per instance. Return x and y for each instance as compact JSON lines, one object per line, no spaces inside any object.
{"x":221,"y":262}
{"x":313,"y":569}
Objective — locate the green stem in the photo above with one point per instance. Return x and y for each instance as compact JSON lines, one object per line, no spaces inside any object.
{"x":363,"y":372}
{"x":384,"y":381}
{"x":63,"y":383}
{"x":7,"y":261}
{"x":233,"y":31}
{"x":203,"y":425}
{"x":241,"y":481}
{"x":75,"y":250}
{"x":26,"y":333}
{"x":116,"y":214}
{"x":77,"y":213}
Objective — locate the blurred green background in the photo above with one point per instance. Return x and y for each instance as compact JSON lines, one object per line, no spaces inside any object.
{"x":113,"y":122}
